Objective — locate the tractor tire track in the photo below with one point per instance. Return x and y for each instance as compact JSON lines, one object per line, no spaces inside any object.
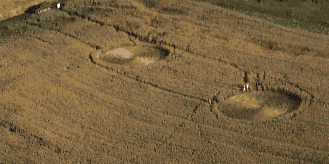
{"x":146,"y":39}
{"x":246,"y":79}
{"x":259,"y":140}
{"x":148,"y":83}
{"x":130,"y":33}
{"x":236,"y":133}
{"x":98,"y":47}
{"x":156,"y":40}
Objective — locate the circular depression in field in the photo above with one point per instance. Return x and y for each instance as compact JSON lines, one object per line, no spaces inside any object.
{"x":141,"y":54}
{"x":118,"y":56}
{"x":259,"y":105}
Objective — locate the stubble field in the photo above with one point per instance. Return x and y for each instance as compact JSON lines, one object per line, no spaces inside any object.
{"x":126,"y":83}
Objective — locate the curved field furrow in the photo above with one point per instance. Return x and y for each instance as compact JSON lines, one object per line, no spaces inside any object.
{"x":207,"y":56}
{"x":159,"y":38}
{"x":288,"y":155}
{"x":97,"y":96}
{"x":185,"y":94}
{"x":155,"y":74}
{"x":85,"y":92}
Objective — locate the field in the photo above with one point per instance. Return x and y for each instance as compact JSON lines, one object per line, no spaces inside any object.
{"x":165,"y":82}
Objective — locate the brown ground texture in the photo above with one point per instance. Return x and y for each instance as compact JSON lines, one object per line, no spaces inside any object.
{"x":122,"y":82}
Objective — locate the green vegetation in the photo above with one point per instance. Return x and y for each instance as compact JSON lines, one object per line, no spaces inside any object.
{"x":304,"y":14}
{"x":309,"y":15}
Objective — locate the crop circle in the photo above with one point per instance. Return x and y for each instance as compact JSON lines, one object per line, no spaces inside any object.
{"x":263,"y":105}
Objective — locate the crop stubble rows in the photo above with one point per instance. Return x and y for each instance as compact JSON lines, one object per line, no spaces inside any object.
{"x":175,"y":130}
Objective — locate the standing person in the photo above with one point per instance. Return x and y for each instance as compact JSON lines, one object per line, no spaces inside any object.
{"x":246,"y":87}
{"x":213,"y":99}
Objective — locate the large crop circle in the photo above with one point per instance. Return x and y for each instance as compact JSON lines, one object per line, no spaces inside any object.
{"x":263,"y":105}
